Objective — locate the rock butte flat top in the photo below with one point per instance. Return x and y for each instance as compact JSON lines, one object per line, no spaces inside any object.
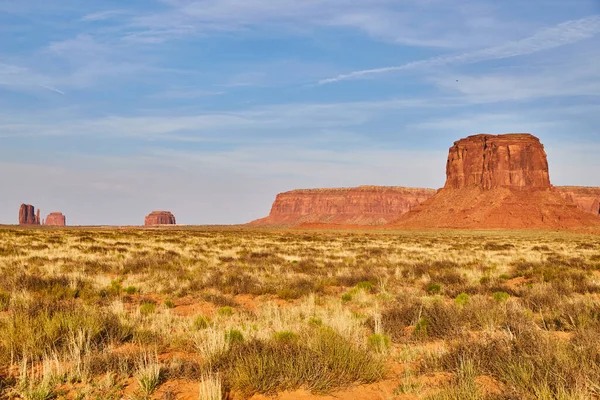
{"x":398,"y":189}
{"x":160,"y":212}
{"x":504,"y":136}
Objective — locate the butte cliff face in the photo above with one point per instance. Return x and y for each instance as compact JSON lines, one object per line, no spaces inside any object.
{"x":497,"y":161}
{"x":159,"y":218}
{"x":497,"y":181}
{"x":28,"y":216}
{"x":364,"y":205}
{"x":55,"y":219}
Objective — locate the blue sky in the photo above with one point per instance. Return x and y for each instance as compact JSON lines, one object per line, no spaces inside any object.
{"x":209,"y":108}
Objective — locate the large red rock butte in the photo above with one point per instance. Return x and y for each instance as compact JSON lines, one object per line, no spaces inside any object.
{"x":159,"y":218}
{"x":497,"y":181}
{"x":27,"y":215}
{"x":495,"y":161}
{"x":55,"y":219}
{"x":363,"y":205}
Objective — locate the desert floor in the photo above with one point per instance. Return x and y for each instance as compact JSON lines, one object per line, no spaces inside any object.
{"x":240,"y":313}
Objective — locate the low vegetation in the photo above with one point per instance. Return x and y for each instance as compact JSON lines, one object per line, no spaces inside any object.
{"x":108,"y":314}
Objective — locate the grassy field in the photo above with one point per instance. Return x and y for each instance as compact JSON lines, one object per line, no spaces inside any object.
{"x":241,"y":313}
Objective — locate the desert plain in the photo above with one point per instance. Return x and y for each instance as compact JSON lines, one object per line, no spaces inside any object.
{"x":256,"y":313}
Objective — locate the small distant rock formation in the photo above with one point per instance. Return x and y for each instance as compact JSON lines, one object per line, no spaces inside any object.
{"x":160,"y":218}
{"x":498,"y":181}
{"x":363,"y":205}
{"x":586,"y":198}
{"x":28,"y":216}
{"x":55,"y":219}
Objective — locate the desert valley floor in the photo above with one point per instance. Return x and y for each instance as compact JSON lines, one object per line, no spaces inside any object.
{"x":240,"y":312}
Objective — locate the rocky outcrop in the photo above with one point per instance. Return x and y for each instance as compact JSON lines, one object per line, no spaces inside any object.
{"x":28,"y":216}
{"x":515,"y":160}
{"x":363,"y":205}
{"x":159,"y":218}
{"x":55,"y":219}
{"x":497,"y":181}
{"x":586,"y":198}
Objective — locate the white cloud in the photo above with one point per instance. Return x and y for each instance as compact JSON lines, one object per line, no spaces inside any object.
{"x":562,"y":34}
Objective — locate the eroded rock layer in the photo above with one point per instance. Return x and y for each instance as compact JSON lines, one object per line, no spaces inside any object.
{"x":586,"y":198}
{"x":28,"y":216}
{"x":363,"y":205}
{"x":55,"y":219}
{"x":159,"y":218}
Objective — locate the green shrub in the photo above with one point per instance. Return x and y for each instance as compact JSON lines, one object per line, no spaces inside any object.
{"x":169,"y":304}
{"x":115,"y":287}
{"x":285,"y":336}
{"x":379,"y":342}
{"x":234,"y":336}
{"x":147,"y":308}
{"x":314,"y":321}
{"x":365,"y":285}
{"x":346,"y":297}
{"x":131,"y":290}
{"x":433,"y":288}
{"x":462,"y":299}
{"x":4,"y":301}
{"x":421,"y":328}
{"x":201,"y":322}
{"x":225,"y":311}
{"x":501,"y":297}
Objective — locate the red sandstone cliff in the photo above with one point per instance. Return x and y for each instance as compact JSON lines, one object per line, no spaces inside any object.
{"x":497,"y":181}
{"x":27,"y":215}
{"x":586,"y":198}
{"x":159,"y":218}
{"x":55,"y":219}
{"x":364,"y":205}
{"x":494,"y":161}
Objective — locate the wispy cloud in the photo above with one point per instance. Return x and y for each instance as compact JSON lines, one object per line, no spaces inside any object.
{"x":55,"y":90}
{"x":186,"y":93}
{"x":220,"y":126}
{"x":562,"y":34}
{"x":414,"y":23}
{"x":104,"y":15}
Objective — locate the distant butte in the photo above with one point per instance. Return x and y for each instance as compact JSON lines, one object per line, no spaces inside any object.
{"x":55,"y":219}
{"x":498,"y":181}
{"x":27,"y":215}
{"x":159,"y":218}
{"x":363,"y":205}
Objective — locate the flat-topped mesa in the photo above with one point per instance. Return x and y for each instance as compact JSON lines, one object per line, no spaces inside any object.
{"x":586,"y":198}
{"x":28,"y":216}
{"x":159,"y":218}
{"x":55,"y":219}
{"x":512,"y":160}
{"x":363,"y":205}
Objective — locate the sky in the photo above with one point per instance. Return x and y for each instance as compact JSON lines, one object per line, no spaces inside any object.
{"x":209,"y":108}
